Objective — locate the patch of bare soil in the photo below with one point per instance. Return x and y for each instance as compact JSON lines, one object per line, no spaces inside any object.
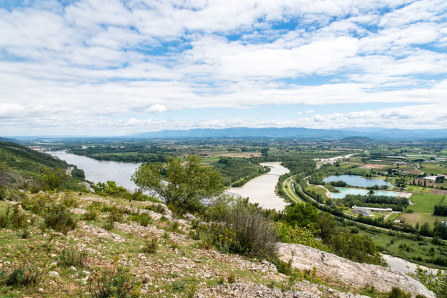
{"x":373,"y":166}
{"x":438,"y":191}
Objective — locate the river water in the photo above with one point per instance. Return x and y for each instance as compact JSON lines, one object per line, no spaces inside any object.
{"x":101,"y":171}
{"x":403,"y":265}
{"x":261,"y":189}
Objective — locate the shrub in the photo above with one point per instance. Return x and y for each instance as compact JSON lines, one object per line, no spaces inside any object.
{"x":231,"y":278}
{"x":174,"y":227}
{"x":69,"y":202}
{"x":21,"y":277}
{"x":92,"y":212}
{"x":151,"y":245}
{"x":14,"y":218}
{"x":70,"y":256}
{"x":59,"y":219}
{"x":143,"y":219}
{"x":26,"y":233}
{"x":27,"y":274}
{"x":398,"y":293}
{"x":120,"y":282}
{"x":116,"y":214}
{"x":178,"y":286}
{"x":242,"y":228}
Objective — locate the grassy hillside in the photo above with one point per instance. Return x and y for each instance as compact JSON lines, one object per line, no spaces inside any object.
{"x":24,"y":168}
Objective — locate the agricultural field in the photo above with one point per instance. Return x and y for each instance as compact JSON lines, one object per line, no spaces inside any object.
{"x":434,"y":168}
{"x":424,"y":202}
{"x":418,"y":251}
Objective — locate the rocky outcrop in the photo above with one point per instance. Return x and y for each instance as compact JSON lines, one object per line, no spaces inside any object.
{"x":248,"y":289}
{"x":358,"y":275}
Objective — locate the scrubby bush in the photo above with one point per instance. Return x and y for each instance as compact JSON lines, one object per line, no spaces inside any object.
{"x":120,"y":282}
{"x":151,"y":245}
{"x":14,"y":218}
{"x":143,"y":219}
{"x":241,"y":227}
{"x":92,"y":212}
{"x":59,"y":219}
{"x":70,"y":256}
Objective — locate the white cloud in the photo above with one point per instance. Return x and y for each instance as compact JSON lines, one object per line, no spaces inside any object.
{"x":95,"y":61}
{"x":157,"y":108}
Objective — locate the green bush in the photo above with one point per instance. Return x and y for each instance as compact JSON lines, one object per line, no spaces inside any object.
{"x":120,"y":282}
{"x":242,"y":228}
{"x":151,"y":245}
{"x":70,"y":256}
{"x":59,"y":219}
{"x":14,"y":218}
{"x":143,"y":219}
{"x":92,"y":212}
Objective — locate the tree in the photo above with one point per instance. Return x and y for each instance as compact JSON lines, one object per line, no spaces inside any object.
{"x":181,"y":183}
{"x":53,"y":179}
{"x":440,"y":179}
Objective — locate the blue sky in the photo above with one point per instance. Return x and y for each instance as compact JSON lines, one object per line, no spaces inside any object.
{"x":110,"y":67}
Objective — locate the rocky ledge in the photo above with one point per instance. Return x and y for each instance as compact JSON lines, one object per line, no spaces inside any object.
{"x":355,"y":274}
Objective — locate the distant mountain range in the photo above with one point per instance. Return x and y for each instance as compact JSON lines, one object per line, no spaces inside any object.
{"x":293,"y":132}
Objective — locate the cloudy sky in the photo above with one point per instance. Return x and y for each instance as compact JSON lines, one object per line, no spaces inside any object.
{"x":111,"y":67}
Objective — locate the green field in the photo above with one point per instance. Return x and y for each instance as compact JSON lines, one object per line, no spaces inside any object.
{"x":318,"y":190}
{"x":419,"y":251}
{"x":424,"y":202}
{"x":434,"y":168}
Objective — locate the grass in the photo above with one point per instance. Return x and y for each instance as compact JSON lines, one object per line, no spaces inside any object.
{"x":421,"y":218}
{"x":424,"y":202}
{"x":393,"y":217}
{"x":417,"y":251}
{"x":434,"y":168}
{"x":288,"y":188}
{"x":318,"y":190}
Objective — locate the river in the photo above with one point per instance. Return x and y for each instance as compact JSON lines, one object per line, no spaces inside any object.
{"x":101,"y":171}
{"x":261,"y":189}
{"x":403,"y":265}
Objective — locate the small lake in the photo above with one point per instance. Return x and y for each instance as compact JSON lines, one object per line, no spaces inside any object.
{"x":356,"y":180}
{"x":261,"y":189}
{"x":344,"y":191}
{"x":101,"y":171}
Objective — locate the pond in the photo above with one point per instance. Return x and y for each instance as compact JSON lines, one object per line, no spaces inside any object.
{"x":356,"y":180}
{"x":101,"y":171}
{"x":261,"y":189}
{"x":344,"y":191}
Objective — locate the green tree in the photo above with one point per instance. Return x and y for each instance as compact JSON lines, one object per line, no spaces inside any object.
{"x":181,"y":183}
{"x":52,"y":179}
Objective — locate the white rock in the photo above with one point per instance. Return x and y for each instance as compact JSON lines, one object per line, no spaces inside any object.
{"x":356,"y":274}
{"x":41,"y":290}
{"x":53,"y":274}
{"x":73,"y":268}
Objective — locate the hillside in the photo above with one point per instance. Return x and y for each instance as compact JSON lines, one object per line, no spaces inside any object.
{"x":29,"y":169}
{"x":141,"y":248}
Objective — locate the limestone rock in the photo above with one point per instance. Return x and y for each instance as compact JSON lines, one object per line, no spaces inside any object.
{"x":358,"y":275}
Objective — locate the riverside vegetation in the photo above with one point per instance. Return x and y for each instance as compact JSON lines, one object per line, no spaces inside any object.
{"x":66,"y":241}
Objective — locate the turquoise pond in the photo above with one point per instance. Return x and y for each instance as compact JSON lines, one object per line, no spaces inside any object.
{"x":357,"y":191}
{"x":356,"y":180}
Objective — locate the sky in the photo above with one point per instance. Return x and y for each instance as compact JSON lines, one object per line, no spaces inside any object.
{"x":119,"y":67}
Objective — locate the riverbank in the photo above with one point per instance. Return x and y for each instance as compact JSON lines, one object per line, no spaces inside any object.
{"x":261,"y":189}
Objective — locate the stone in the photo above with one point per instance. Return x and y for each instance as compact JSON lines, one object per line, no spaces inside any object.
{"x":53,"y":274}
{"x":358,"y":275}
